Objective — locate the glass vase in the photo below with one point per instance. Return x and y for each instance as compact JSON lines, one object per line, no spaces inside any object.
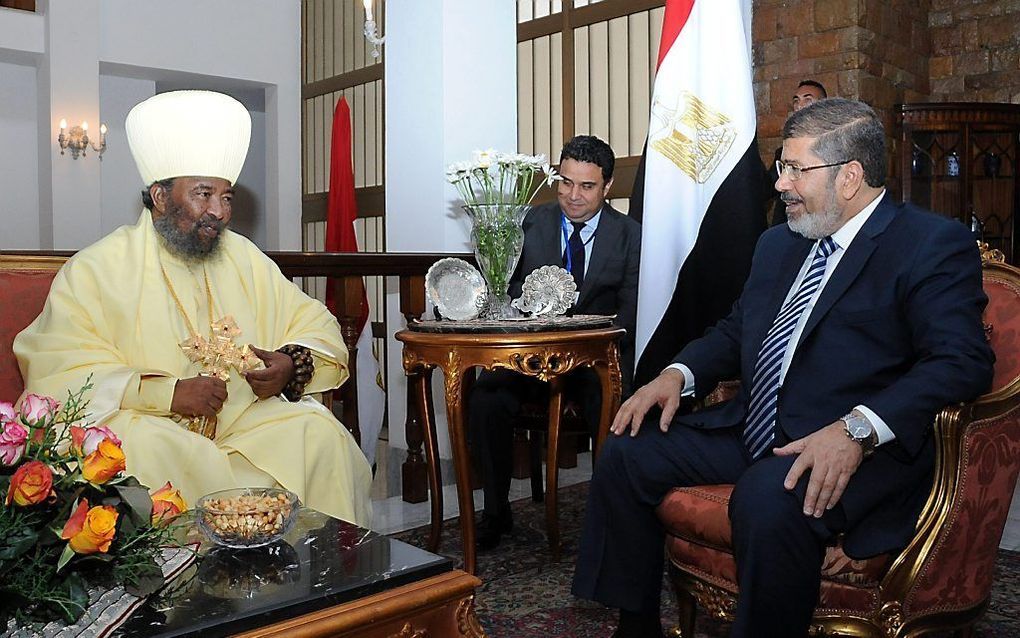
{"x":498,"y":240}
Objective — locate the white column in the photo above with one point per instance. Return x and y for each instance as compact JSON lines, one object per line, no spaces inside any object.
{"x":68,"y":84}
{"x":451,"y":88}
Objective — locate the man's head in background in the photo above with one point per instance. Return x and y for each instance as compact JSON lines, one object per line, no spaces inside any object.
{"x":808,"y":92}
{"x":586,"y":169}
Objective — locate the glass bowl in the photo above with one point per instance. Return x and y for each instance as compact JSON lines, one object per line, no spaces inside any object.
{"x":246,"y":516}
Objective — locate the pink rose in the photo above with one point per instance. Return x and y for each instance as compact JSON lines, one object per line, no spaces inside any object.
{"x":13,"y":441}
{"x":85,"y":441}
{"x":7,"y":412}
{"x":36,"y":410}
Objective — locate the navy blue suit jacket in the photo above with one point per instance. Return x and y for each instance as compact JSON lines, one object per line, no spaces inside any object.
{"x":896,"y":328}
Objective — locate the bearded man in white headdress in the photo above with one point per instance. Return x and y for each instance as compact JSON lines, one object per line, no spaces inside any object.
{"x":201,"y":352}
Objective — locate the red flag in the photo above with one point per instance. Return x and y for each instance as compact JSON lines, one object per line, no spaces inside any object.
{"x":341,"y":212}
{"x":342,"y":208}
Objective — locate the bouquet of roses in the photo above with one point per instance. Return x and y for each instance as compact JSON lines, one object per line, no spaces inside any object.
{"x":70,"y":519}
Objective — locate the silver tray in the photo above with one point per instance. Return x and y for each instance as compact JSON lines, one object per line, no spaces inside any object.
{"x":456,"y":289}
{"x":547,"y":291}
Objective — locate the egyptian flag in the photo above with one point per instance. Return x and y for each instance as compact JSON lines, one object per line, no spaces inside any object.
{"x":699,"y":196}
{"x":341,"y":211}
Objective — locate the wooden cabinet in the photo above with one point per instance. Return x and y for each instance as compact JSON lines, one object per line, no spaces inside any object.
{"x":961,"y":160}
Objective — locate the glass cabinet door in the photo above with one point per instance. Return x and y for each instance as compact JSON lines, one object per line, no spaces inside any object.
{"x":961,"y":160}
{"x":993,"y":185}
{"x":935,"y":171}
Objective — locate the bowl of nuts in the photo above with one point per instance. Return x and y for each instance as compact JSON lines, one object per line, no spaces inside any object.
{"x":247,"y":516}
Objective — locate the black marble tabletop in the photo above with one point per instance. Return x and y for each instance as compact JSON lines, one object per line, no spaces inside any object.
{"x":510,"y":326}
{"x":321,"y":562}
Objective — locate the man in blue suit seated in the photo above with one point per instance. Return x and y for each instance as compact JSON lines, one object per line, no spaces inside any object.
{"x":860,"y":319}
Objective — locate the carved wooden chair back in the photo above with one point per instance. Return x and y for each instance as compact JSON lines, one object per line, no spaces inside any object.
{"x":24,"y":284}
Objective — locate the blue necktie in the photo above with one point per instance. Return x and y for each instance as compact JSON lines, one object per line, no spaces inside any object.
{"x":759,"y":426}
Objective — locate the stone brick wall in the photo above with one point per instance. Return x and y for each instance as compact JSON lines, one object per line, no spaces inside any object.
{"x":874,"y":50}
{"x":884,"y":52}
{"x":975,"y":50}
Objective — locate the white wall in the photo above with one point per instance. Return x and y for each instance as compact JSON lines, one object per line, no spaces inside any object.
{"x":451,"y":88}
{"x":121,"y":198}
{"x":19,"y":168}
{"x":93,"y":59}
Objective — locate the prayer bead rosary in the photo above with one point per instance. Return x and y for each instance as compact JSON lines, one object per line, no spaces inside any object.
{"x":303,"y":370}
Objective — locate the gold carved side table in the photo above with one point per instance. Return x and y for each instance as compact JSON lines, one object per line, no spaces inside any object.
{"x":543,"y":348}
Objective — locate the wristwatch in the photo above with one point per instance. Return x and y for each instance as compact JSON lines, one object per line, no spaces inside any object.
{"x":859,"y":430}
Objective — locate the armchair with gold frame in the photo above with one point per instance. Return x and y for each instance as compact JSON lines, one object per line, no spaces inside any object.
{"x":942,"y":580}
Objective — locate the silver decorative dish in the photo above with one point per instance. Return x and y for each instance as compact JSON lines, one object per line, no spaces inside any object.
{"x":547,"y":291}
{"x":456,"y":289}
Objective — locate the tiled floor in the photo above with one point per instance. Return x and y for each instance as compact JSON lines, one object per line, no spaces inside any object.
{"x":392,"y":514}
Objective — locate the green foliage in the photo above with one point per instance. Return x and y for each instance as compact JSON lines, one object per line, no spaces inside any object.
{"x":41,"y":577}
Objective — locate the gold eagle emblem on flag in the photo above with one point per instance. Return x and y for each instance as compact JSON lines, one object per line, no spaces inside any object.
{"x":693,"y":135}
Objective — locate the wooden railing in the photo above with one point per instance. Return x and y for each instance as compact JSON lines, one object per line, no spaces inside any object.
{"x":345,"y":271}
{"x":25,"y":5}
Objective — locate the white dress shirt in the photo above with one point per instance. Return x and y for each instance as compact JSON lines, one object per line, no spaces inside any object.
{"x":843,"y":238}
{"x":587,"y":235}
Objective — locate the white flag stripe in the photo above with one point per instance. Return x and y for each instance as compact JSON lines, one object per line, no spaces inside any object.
{"x":711,"y":60}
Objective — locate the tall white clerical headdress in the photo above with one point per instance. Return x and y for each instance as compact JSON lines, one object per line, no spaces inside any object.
{"x":189,"y":134}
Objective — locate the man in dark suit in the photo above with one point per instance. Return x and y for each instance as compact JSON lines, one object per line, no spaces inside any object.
{"x":860,"y":319}
{"x":601,"y":248}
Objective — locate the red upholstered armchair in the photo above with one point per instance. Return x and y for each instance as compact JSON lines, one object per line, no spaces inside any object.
{"x":24,"y":283}
{"x":942,"y":580}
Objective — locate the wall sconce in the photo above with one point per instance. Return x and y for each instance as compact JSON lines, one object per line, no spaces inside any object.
{"x":77,"y":139}
{"x":371,"y":32}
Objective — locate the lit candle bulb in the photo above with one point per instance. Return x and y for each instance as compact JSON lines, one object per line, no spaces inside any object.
{"x":368,"y":10}
{"x":84,"y":126}
{"x":63,"y":125}
{"x":102,"y":129}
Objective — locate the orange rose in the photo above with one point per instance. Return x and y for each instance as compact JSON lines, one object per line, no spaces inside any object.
{"x":166,"y":504}
{"x":90,"y":530}
{"x":31,"y":484}
{"x":103,"y":464}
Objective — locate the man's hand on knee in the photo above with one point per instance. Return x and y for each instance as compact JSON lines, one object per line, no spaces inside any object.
{"x":663,"y":391}
{"x":831,"y":457}
{"x":198,"y":396}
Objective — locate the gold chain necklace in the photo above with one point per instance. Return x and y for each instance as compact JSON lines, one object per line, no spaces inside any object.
{"x":215,"y":355}
{"x":180,"y":306}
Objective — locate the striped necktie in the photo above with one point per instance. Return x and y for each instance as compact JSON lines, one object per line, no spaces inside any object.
{"x":759,"y":426}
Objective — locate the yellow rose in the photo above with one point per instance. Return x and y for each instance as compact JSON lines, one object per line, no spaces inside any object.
{"x":167,"y":503}
{"x":103,"y":464}
{"x":91,"y":530}
{"x":31,"y":484}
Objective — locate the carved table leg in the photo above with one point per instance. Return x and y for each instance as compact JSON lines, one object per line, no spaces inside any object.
{"x":461,"y":462}
{"x":611,"y":380}
{"x":422,"y":389}
{"x":552,"y":524}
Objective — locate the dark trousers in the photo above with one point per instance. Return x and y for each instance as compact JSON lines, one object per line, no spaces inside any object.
{"x":779,"y":550}
{"x":495,"y":404}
